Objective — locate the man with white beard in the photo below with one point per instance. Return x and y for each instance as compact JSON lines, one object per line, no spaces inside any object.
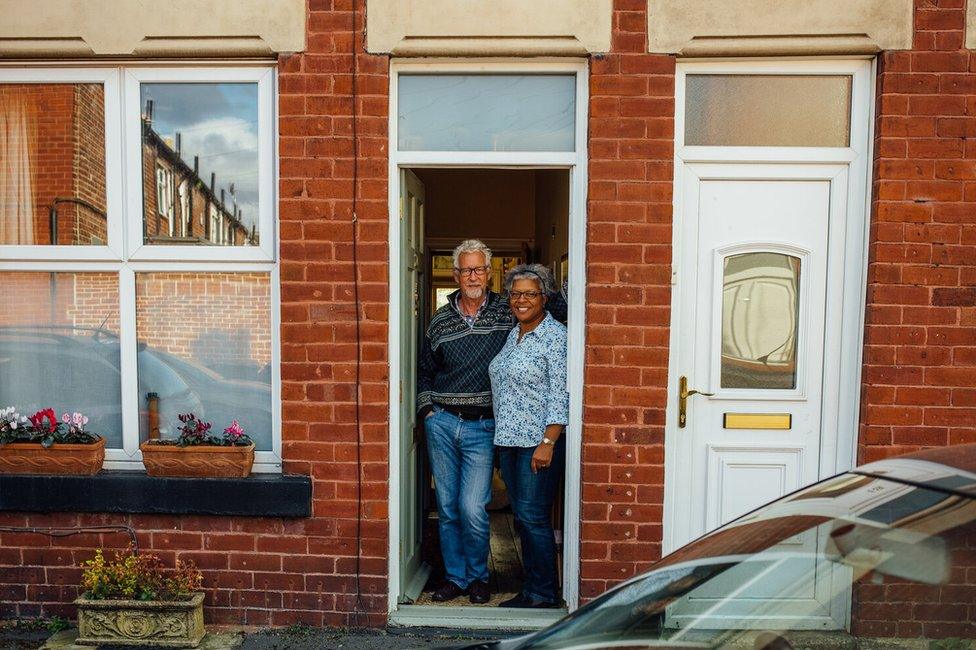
{"x":454,"y":402}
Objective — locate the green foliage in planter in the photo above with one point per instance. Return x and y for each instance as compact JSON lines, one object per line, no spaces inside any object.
{"x":44,"y":427}
{"x":131,"y":576}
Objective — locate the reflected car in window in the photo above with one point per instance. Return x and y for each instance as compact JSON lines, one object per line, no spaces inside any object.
{"x":77,"y":368}
{"x":884,"y":554}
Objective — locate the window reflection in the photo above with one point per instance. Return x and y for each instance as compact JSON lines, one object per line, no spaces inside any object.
{"x":52,"y":164}
{"x":59,"y":347}
{"x":760,"y":307}
{"x":486,"y":112}
{"x":200,"y":163}
{"x":205,"y":347}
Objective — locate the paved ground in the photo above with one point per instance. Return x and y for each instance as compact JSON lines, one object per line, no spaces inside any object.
{"x":291,"y":638}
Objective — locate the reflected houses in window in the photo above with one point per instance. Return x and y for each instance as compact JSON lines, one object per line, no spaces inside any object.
{"x":200,"y":164}
{"x":180,"y":208}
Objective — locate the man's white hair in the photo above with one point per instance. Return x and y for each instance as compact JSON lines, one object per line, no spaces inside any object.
{"x":472,"y":246}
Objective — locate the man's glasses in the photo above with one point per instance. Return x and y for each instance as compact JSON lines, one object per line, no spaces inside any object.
{"x":531,"y":295}
{"x":473,"y":270}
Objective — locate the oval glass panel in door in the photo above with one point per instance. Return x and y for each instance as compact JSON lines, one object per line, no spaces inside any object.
{"x":760,"y":308}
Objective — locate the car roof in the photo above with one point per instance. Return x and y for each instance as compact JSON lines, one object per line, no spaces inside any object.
{"x":949,"y":469}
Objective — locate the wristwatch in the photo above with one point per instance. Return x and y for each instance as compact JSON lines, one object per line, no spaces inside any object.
{"x":547,"y":441}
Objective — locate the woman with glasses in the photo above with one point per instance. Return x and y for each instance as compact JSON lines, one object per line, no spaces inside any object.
{"x":531,"y":405}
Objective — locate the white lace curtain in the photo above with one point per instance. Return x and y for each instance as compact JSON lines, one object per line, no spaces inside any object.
{"x":16,"y":180}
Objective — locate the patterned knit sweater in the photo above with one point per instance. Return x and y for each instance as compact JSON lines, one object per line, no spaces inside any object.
{"x":453,"y":366}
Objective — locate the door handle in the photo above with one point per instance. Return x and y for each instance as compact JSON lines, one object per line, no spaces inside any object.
{"x":683,"y":395}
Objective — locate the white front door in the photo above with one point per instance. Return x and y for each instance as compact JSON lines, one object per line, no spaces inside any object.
{"x":756,"y":241}
{"x":413,"y":573}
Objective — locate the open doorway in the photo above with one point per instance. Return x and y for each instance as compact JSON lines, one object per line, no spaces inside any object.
{"x":523,"y":216}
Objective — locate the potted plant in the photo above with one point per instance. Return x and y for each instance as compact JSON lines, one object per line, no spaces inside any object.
{"x":133,"y":601}
{"x":41,"y":444}
{"x":198,"y":453}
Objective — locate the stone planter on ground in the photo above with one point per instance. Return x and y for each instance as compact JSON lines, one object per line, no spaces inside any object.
{"x":59,"y":458}
{"x":145,"y":623}
{"x":202,"y":461}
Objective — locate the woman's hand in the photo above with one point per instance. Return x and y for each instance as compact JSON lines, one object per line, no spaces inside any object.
{"x":542,"y":457}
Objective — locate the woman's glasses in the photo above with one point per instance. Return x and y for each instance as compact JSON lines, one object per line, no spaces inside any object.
{"x":530,"y":295}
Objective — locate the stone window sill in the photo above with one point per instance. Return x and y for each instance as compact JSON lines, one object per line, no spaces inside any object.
{"x":259,"y":495}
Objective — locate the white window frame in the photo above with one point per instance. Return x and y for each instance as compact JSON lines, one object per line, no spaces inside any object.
{"x":576,"y":163}
{"x":264,"y":77}
{"x":125,"y":255}
{"x":108,"y":78}
{"x":165,"y":199}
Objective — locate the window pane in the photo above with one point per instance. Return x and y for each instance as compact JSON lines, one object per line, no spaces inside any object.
{"x":205,"y":348}
{"x":768,"y":110}
{"x":52,"y":164}
{"x":486,"y":112}
{"x":200,"y":163}
{"x":760,"y":306}
{"x":59,"y":346}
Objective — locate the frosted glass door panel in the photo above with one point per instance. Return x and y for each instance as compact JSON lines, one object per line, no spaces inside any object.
{"x":486,"y":113}
{"x":759,"y":320}
{"x":768,"y":110}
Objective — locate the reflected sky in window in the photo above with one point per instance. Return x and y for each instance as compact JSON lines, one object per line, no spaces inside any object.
{"x":217,"y":122}
{"x":486,"y":112}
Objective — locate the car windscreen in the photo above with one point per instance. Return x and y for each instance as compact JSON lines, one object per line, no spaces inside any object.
{"x":793,"y":566}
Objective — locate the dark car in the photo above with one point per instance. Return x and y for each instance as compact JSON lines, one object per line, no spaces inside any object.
{"x":883,"y":556}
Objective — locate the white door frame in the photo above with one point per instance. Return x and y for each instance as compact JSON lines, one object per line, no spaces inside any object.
{"x":576,"y":163}
{"x":841,"y":387}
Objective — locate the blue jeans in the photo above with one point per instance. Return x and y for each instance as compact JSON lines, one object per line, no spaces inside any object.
{"x":461,"y":455}
{"x":531,"y":495}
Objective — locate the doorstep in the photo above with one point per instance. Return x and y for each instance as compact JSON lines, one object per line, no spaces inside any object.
{"x":475,"y":618}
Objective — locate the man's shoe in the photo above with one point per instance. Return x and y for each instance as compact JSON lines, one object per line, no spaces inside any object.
{"x":447,"y":591}
{"x":527,"y":602}
{"x":513,"y":602}
{"x":478,"y":592}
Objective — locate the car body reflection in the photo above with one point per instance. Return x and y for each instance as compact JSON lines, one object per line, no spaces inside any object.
{"x":79,"y":369}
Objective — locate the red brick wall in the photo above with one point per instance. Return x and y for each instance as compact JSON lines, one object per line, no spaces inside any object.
{"x":628,"y":304}
{"x":920,"y":364}
{"x":318,"y":368}
{"x":264,"y":571}
{"x":919,"y":382}
{"x":920,"y":343}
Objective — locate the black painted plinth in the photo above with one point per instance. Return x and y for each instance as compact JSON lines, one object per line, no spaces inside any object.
{"x":259,"y":495}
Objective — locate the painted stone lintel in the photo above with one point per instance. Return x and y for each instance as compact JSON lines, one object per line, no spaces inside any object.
{"x":778,"y":27}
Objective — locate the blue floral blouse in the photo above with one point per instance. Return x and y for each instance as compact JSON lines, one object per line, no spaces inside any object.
{"x":528,"y":384}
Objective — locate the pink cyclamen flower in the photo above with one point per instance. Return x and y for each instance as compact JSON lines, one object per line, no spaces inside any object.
{"x":84,"y":419}
{"x":65,"y":418}
{"x":235,"y":430}
{"x":76,"y":418}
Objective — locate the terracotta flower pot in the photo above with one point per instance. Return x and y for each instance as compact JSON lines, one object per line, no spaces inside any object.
{"x":202,"y":461}
{"x":147,"y":623}
{"x":32,"y":458}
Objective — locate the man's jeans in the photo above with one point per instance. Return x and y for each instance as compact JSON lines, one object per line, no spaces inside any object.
{"x":531,"y":495}
{"x":461,"y":454}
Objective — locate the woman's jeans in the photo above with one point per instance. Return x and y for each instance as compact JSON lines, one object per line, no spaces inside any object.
{"x":531,"y":495}
{"x":461,"y":457}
